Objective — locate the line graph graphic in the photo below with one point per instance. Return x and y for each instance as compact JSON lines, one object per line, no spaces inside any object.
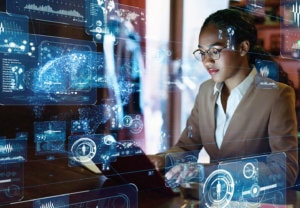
{"x":61,"y":11}
{"x":49,"y":9}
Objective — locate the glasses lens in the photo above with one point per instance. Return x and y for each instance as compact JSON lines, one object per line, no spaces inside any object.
{"x":214,"y":53}
{"x":197,"y":55}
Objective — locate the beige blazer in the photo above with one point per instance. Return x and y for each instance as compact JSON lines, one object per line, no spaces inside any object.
{"x":264,"y":122}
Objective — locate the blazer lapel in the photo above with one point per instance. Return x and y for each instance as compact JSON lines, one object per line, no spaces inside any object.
{"x":234,"y":125}
{"x":212,"y":148}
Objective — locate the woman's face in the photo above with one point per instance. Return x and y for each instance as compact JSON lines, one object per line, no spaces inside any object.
{"x":227,"y":68}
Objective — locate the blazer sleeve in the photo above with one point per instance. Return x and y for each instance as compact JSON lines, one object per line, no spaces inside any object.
{"x":282,"y":131}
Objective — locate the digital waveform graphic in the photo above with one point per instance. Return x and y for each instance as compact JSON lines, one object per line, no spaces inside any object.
{"x":49,"y":9}
{"x":296,"y":13}
{"x":8,"y":148}
{"x":47,"y":205}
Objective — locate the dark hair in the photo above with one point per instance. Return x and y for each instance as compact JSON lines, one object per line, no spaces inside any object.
{"x":245,"y":28}
{"x":241,"y":22}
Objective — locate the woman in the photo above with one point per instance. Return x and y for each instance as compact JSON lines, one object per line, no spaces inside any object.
{"x":237,"y":113}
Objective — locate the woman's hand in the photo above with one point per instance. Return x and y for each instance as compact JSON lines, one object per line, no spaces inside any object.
{"x":185,"y":172}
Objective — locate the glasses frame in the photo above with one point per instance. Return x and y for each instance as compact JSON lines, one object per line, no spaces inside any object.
{"x":209,"y":52}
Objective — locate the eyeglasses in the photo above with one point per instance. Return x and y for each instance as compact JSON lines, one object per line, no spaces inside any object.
{"x":213,"y":53}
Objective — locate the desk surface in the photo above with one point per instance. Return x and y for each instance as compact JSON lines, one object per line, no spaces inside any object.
{"x":43,"y":178}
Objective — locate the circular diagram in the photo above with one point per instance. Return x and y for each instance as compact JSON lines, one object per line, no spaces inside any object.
{"x":109,"y":140}
{"x":136,"y":126}
{"x":127,"y":121}
{"x":84,"y":149}
{"x":249,"y":170}
{"x":218,"y":189}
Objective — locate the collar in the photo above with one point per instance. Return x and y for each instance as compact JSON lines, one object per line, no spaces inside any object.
{"x":242,"y":87}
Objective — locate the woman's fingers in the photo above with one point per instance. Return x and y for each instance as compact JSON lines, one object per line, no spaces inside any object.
{"x":175,"y":171}
{"x":183,"y":172}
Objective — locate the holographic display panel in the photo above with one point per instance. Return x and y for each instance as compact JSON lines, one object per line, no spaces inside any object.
{"x":268,"y":74}
{"x":268,"y":69}
{"x":13,"y":154}
{"x":99,"y":149}
{"x":249,"y":182}
{"x":61,"y":11}
{"x":245,"y":182}
{"x":54,"y":71}
{"x":11,"y":181}
{"x":50,"y":137}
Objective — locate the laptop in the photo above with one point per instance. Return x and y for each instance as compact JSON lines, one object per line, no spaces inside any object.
{"x":139,"y":170}
{"x":123,"y":162}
